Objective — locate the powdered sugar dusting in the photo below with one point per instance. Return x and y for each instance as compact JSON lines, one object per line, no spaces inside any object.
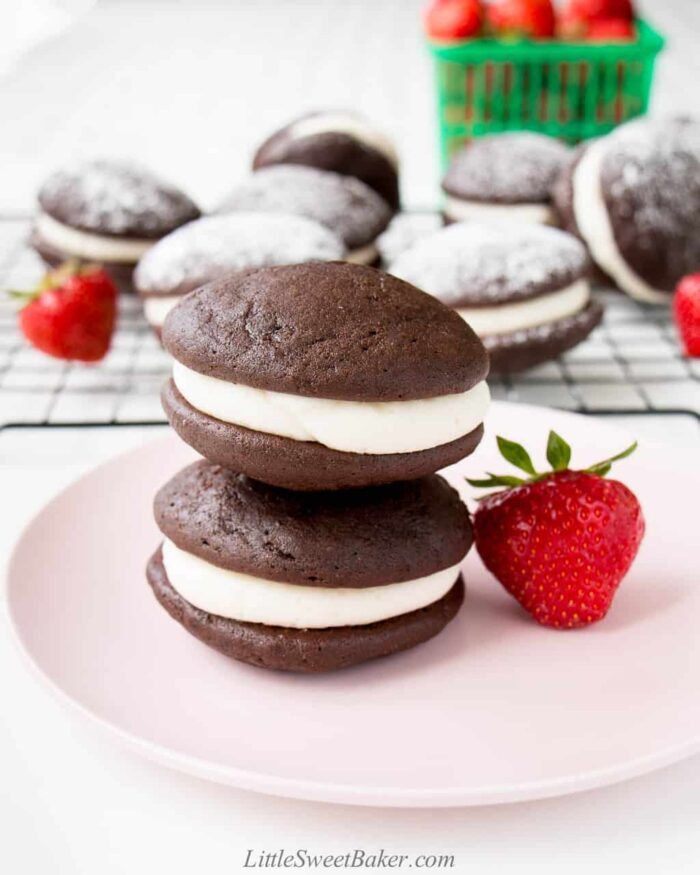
{"x":651,"y":181}
{"x":404,"y":231}
{"x":511,"y":168}
{"x":479,"y":264}
{"x":110,"y":197}
{"x":203,"y":250}
{"x":347,"y":206}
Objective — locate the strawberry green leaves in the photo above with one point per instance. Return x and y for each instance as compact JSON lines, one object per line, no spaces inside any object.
{"x":558,"y":452}
{"x":602,"y":468}
{"x":558,"y":456}
{"x":517,"y":455}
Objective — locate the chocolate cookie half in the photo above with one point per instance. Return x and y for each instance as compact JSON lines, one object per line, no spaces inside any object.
{"x":342,"y":142}
{"x":504,"y":176}
{"x":308,"y":583}
{"x":324,"y":376}
{"x":106,"y":212}
{"x":525,"y":293}
{"x":634,"y":197}
{"x":351,"y":209}
{"x":218,"y":245}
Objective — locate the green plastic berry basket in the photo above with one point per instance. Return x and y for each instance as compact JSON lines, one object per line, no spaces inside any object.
{"x":572,"y":90}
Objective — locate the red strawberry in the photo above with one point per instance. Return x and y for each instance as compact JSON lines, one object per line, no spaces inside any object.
{"x":595,"y":10}
{"x":593,"y":19}
{"x":71,"y":314}
{"x":522,"y":18}
{"x":583,"y":19}
{"x":611,"y":30}
{"x":686,"y":309}
{"x":453,"y":19}
{"x":560,"y":542}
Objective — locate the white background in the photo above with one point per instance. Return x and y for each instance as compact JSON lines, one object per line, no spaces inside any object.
{"x":190,"y":88}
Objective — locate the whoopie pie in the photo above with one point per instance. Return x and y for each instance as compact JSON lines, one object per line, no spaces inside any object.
{"x":324,"y":376}
{"x":308,"y":582}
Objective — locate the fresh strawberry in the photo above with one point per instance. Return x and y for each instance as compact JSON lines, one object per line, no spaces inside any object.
{"x":560,"y":542}
{"x":596,"y":10}
{"x":521,"y":18}
{"x":686,"y":309}
{"x":596,"y":20}
{"x":71,"y":314}
{"x":453,"y":19}
{"x":611,"y":30}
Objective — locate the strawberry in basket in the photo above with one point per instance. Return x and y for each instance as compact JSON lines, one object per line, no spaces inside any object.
{"x":454,"y":19}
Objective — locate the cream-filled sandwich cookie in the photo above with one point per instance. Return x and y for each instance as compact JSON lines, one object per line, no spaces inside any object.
{"x":524,"y":290}
{"x":634,"y":198}
{"x":340,"y":141}
{"x":107,"y":212}
{"x":214,"y":246}
{"x":323,"y":376}
{"x":504,"y":177}
{"x":308,"y":582}
{"x":345,"y":205}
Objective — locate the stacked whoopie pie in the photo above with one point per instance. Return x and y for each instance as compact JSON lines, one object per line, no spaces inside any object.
{"x":109,"y":212}
{"x":315,"y":534}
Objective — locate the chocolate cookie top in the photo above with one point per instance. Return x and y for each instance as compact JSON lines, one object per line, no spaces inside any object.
{"x":357,"y":538}
{"x":506,"y":168}
{"x":342,"y":142}
{"x":472,"y":264}
{"x":207,"y":248}
{"x":115,"y":199}
{"x":650,"y":177}
{"x":351,"y":209}
{"x":333,"y":330}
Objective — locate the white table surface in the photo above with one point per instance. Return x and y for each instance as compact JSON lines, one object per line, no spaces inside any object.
{"x":71,"y":802}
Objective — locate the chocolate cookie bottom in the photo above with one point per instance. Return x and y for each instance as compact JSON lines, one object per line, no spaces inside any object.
{"x":302,"y":465}
{"x":303,"y":650}
{"x":520,"y":350}
{"x":121,"y":273}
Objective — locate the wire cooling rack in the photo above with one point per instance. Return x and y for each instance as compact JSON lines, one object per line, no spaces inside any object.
{"x":631,"y":364}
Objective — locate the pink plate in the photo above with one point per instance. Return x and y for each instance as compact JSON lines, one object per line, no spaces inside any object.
{"x":495,"y":709}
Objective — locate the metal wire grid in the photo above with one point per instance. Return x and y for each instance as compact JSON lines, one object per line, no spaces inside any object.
{"x":632,"y":363}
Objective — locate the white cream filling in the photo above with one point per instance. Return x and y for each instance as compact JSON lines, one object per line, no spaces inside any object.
{"x":345,"y":123}
{"x":363,"y":254}
{"x":252,"y":599}
{"x":373,"y":428}
{"x":596,"y":229}
{"x":95,"y":247}
{"x":157,"y":307}
{"x":528,"y":314}
{"x":464,"y":210}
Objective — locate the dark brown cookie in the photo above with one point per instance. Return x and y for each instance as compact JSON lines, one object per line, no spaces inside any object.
{"x":339,"y":151}
{"x":332,"y":330}
{"x":563,"y":190}
{"x":351,"y":539}
{"x":304,"y":650}
{"x":563,"y":201}
{"x":510,"y":168}
{"x":479,"y":265}
{"x":650,"y":178}
{"x":351,"y":209}
{"x":520,"y":350}
{"x":302,"y":465}
{"x":115,"y":199}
